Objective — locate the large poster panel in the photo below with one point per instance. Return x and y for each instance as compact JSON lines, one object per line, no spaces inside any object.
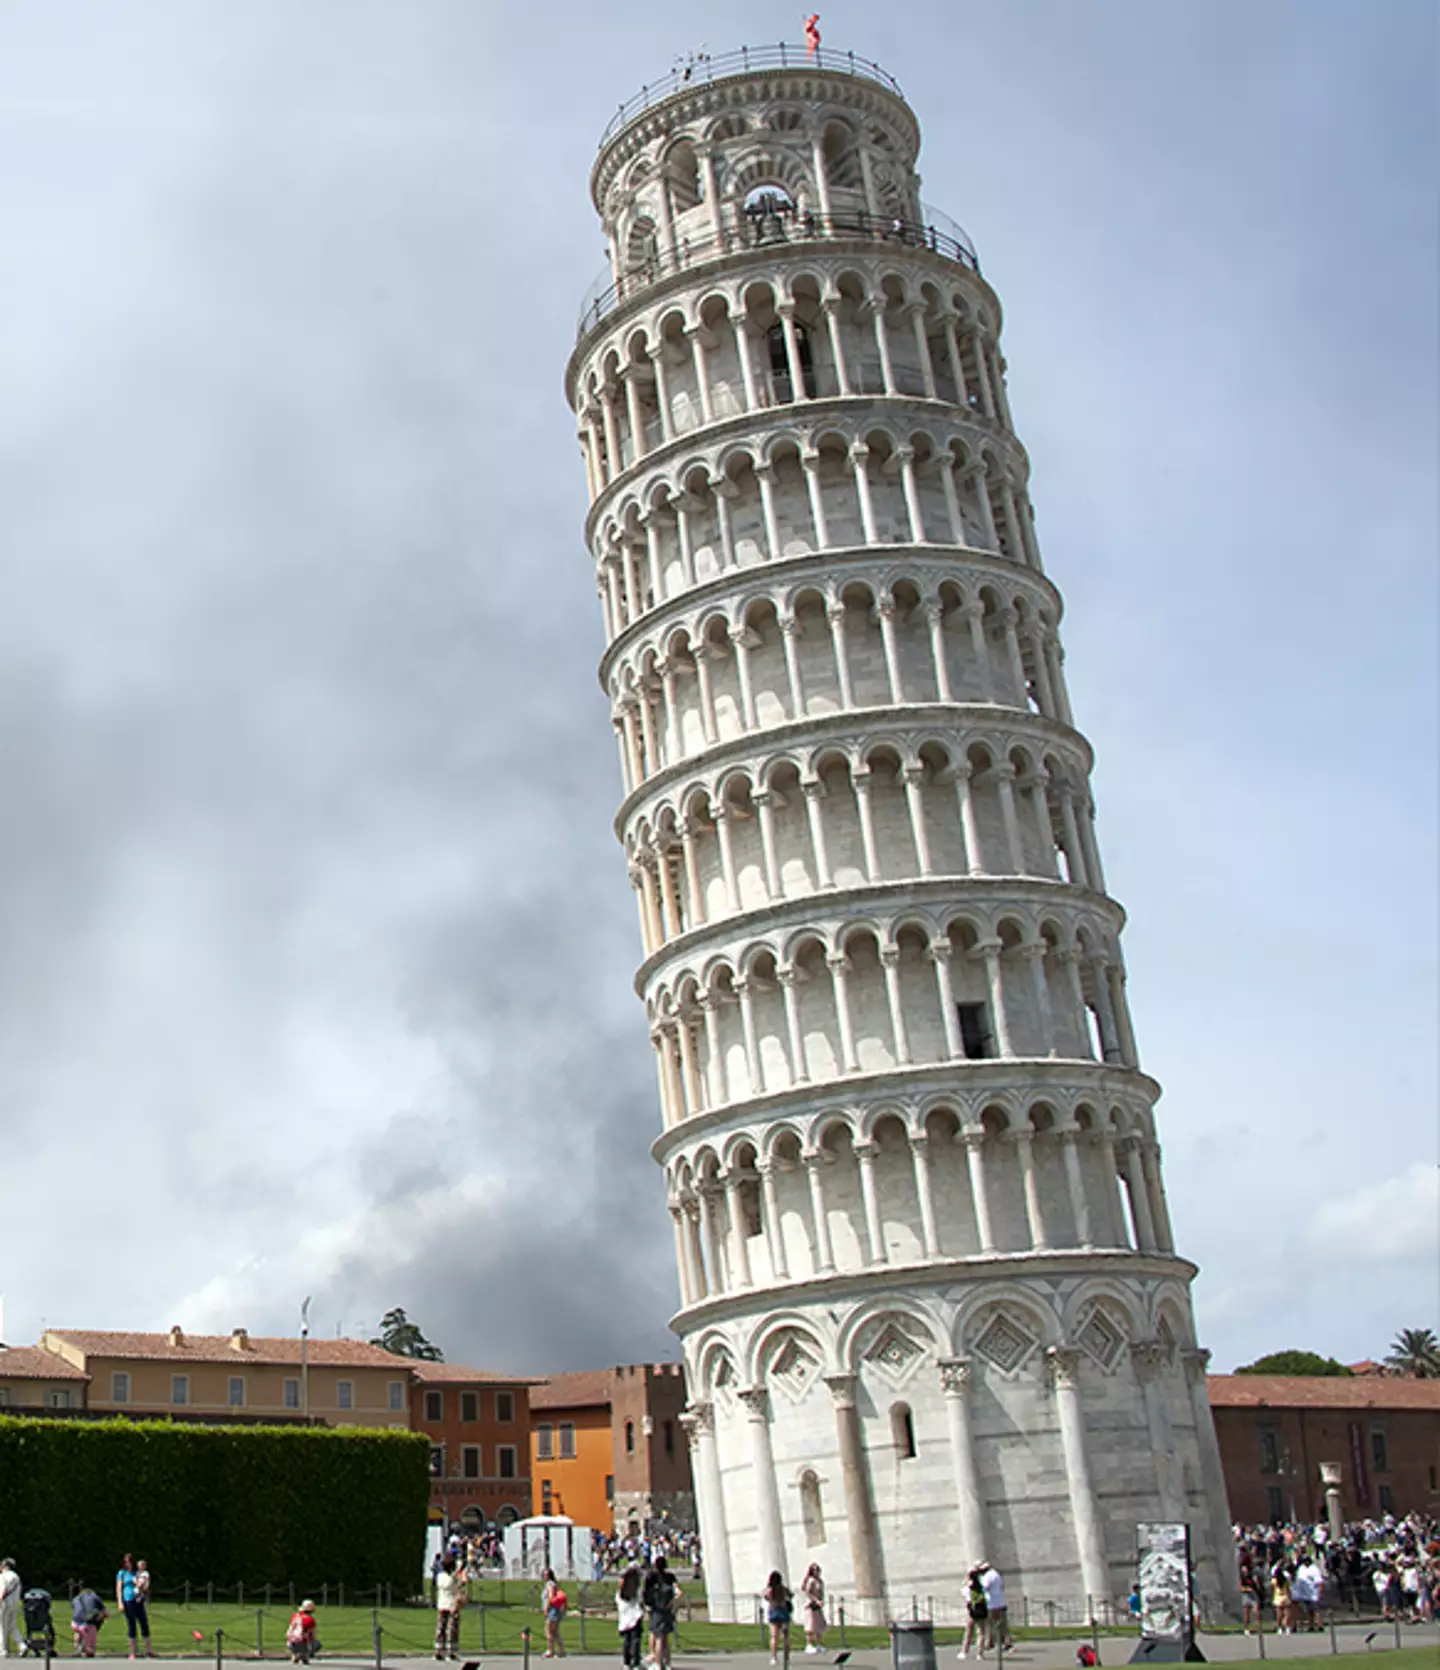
{"x":1165,"y":1613}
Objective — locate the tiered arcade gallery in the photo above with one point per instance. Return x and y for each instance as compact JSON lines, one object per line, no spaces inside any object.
{"x":930,"y":1302}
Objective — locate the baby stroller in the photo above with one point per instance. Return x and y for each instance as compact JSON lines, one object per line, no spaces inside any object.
{"x":39,"y":1626}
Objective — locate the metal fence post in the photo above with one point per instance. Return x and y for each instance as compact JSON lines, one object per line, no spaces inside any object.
{"x":259,"y":1632}
{"x":210,"y":1593}
{"x":842,"y":1623}
{"x":583,"y":1647}
{"x":525,"y":1646}
{"x":378,"y":1651}
{"x":219,"y":1648}
{"x":1334,"y":1645}
{"x":184,"y":1602}
{"x":240,"y":1594}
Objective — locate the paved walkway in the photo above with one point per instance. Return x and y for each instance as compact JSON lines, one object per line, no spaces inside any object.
{"x":1057,"y":1654}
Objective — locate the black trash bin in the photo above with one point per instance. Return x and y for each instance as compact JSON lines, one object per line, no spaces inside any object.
{"x":912,"y":1644}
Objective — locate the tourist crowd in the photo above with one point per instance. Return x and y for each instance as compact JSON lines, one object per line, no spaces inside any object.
{"x":1298,"y":1570}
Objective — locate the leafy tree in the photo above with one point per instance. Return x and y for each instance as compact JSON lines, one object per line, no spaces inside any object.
{"x":1416,"y":1351}
{"x":1296,"y":1362}
{"x":401,"y":1336}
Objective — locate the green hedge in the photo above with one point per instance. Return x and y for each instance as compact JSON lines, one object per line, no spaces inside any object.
{"x":213,"y":1504}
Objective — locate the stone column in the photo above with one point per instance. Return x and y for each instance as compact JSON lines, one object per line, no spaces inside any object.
{"x":774,"y":1228}
{"x":755,"y":1067}
{"x":738,"y":1239}
{"x":824,"y":1253}
{"x":703,"y":1286}
{"x":941,"y":951}
{"x":706,"y":691}
{"x":720,"y":815}
{"x":813,"y":790}
{"x":914,"y":776}
{"x":935,"y":618}
{"x":694,"y":894}
{"x":946,"y":465}
{"x":634,"y":414}
{"x":890,"y":966}
{"x":690,"y":1068}
{"x":987,"y":510}
{"x":662,"y":393}
{"x":1064,"y":1366}
{"x":719,"y":1090}
{"x":974,"y":614}
{"x":955,"y":1378}
{"x":763,"y":801}
{"x":957,"y":367}
{"x":1034,"y":1213}
{"x":1151,"y":1359}
{"x":835,"y":615}
{"x":865,"y":1153}
{"x":1212,"y":1473}
{"x":1139,"y":1196}
{"x":756,"y":1403}
{"x":798,"y":392}
{"x":765,"y":477}
{"x":922,"y":349}
{"x":987,"y":395}
{"x":699,"y":1424}
{"x":859,"y":1498}
{"x":1002,"y":775}
{"x":913,"y":512}
{"x":790,"y":637}
{"x":1075,"y":1180}
{"x":1159,"y":1206}
{"x":925,"y":1193}
{"x":741,"y":326}
{"x":988,"y":950}
{"x":974,"y":1141}
{"x":742,"y":640}
{"x":860,"y":785}
{"x":715,"y":1274}
{"x":691,"y":1278}
{"x":969,"y":824}
{"x":839,"y":965}
{"x":859,"y":452}
{"x":698,"y":345}
{"x":831,"y":305}
{"x":1034,"y":784}
{"x":1074,"y":854}
{"x":810,"y":464}
{"x":789,"y":978}
{"x":1034,"y":952}
{"x":882,"y":346}
{"x":885,"y":614}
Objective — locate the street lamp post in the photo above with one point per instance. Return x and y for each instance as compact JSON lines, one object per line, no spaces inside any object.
{"x":305,"y":1361}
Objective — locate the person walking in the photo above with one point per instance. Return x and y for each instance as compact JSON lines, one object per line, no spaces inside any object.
{"x":778,"y":1612}
{"x":553,"y":1603}
{"x":661,"y":1595}
{"x":998,"y":1632}
{"x":449,"y":1598}
{"x":10,"y":1587}
{"x":812,"y":1594}
{"x":630,"y":1614}
{"x":130,"y":1599}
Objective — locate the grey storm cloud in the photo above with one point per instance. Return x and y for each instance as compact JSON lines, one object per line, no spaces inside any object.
{"x":316,"y":946}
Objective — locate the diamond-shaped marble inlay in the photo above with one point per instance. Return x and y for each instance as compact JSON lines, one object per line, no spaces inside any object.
{"x":894,"y":1353}
{"x":793,"y":1367}
{"x":1102,"y":1339}
{"x":1005,"y":1342}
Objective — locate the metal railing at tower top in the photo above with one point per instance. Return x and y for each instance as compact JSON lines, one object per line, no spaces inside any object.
{"x":700,"y":67}
{"x":771,"y":229}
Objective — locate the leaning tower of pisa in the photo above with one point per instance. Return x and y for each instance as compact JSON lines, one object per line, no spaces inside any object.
{"x":931,"y":1307}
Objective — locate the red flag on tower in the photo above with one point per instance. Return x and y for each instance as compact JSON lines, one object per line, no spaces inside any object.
{"x":812,"y":34}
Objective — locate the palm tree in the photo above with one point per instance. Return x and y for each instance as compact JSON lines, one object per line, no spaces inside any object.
{"x":1416,"y":1351}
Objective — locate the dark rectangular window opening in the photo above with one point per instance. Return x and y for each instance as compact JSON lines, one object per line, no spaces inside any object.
{"x":1378,"y":1451}
{"x":504,"y":1406}
{"x":547,"y":1497}
{"x":1387,"y":1499}
{"x":434,"y":1406}
{"x":1269,"y":1450}
{"x":1277,"y":1504}
{"x":975,"y":1038}
{"x":470,"y":1461}
{"x":507,"y":1461}
{"x":469,"y":1406}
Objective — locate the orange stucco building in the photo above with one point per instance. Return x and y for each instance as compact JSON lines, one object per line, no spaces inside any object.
{"x":607,"y":1447}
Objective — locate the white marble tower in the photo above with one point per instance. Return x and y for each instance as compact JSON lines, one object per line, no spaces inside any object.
{"x":931,"y":1306}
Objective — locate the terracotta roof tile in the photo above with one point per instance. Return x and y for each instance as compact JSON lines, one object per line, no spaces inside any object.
{"x":216,"y":1348}
{"x":451,"y":1373}
{"x":1293,"y":1391}
{"x":30,"y":1362}
{"x":589,"y":1389}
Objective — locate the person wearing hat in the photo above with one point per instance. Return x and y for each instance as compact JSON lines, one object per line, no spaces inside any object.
{"x":300,"y":1635}
{"x":10,"y":1587}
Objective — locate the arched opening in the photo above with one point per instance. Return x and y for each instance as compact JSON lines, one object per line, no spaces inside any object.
{"x":902,"y":1431}
{"x":812,"y":1513}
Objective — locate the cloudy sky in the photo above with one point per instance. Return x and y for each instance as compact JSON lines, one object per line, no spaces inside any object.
{"x":315,"y":944}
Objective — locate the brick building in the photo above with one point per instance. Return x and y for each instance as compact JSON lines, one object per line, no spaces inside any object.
{"x":478,"y":1425}
{"x":607,"y":1447}
{"x":1275,"y":1430}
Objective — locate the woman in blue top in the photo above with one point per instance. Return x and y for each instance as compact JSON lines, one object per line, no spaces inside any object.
{"x":130,"y":1598}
